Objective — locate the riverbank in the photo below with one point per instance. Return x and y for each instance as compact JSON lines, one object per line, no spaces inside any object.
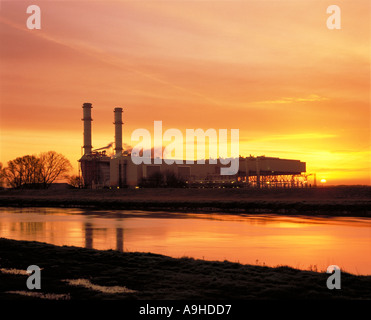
{"x":70,"y":273}
{"x":333,"y":201}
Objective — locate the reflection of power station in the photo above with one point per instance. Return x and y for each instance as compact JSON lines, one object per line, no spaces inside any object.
{"x":89,"y":237}
{"x":100,"y":170}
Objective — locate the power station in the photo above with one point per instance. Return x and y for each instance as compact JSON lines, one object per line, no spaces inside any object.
{"x":99,"y":170}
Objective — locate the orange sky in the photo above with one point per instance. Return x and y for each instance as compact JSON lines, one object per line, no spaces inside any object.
{"x":271,"y":69}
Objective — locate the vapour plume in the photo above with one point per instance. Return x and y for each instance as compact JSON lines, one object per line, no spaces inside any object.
{"x":106,"y":147}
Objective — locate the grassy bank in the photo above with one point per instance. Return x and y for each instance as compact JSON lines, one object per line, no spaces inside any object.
{"x":336,"y":201}
{"x":79,"y":273}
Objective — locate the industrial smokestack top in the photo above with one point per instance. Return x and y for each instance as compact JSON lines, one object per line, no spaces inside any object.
{"x":118,"y":130}
{"x":87,"y":127}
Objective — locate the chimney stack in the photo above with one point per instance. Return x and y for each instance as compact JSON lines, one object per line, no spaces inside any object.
{"x":118,"y":131}
{"x":87,"y":127}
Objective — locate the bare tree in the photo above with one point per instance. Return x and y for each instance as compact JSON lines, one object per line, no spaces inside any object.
{"x":53,"y":166}
{"x":75,"y":181}
{"x":32,"y":171}
{"x":32,"y":167}
{"x":1,"y":175}
{"x":23,"y":171}
{"x":13,"y":173}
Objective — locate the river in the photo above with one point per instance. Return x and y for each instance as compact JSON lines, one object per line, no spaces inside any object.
{"x":303,"y":242}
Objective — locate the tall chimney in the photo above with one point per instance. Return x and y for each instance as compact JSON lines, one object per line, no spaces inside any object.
{"x":118,"y":131}
{"x":87,"y":127}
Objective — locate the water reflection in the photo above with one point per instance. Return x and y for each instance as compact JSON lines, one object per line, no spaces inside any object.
{"x":300,"y":242}
{"x":120,"y":239}
{"x":88,"y":228}
{"x":89,"y":237}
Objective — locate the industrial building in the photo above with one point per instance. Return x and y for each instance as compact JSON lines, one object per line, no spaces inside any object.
{"x":98,"y":170}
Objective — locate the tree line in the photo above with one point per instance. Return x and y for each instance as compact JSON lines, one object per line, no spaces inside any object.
{"x":31,"y":171}
{"x":167,"y":179}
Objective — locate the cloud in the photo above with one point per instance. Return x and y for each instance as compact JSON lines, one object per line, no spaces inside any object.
{"x":285,"y":100}
{"x":295,"y":136}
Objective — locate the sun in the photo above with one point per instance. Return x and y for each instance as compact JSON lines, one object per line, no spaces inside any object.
{"x":323,"y":180}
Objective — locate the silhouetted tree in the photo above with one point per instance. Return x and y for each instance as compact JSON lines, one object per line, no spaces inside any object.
{"x":75,"y":181}
{"x":23,"y":171}
{"x":1,"y":175}
{"x":32,"y":171}
{"x":53,"y":166}
{"x":156,"y":179}
{"x":163,"y":180}
{"x":173,"y":181}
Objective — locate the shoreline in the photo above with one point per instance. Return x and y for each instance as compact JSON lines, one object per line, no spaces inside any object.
{"x":70,"y":273}
{"x":352,"y":201}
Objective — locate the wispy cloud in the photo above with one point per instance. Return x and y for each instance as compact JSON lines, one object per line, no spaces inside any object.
{"x":295,"y":136}
{"x":285,"y":100}
{"x":87,"y":49}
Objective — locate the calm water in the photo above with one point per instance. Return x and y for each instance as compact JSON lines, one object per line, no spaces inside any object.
{"x":300,"y":242}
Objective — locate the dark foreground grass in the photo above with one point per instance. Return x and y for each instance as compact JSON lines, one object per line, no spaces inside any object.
{"x":146,"y":276}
